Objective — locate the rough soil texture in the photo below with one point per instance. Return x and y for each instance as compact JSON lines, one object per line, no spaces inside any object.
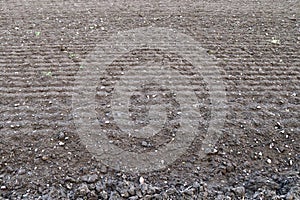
{"x":257,"y":46}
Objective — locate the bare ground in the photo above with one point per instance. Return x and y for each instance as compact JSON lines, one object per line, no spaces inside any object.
{"x":257,"y":46}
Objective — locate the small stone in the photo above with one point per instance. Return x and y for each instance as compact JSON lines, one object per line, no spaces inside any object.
{"x":104,"y":195}
{"x":131,"y":190}
{"x":278,"y":125}
{"x":61,"y":136}
{"x":93,"y":178}
{"x":63,"y":48}
{"x":293,"y":18}
{"x":223,"y":197}
{"x":44,"y":157}
{"x":69,"y":185}
{"x":189,"y":191}
{"x":60,"y":143}
{"x":21,"y":171}
{"x":103,"y":169}
{"x":142,"y":180}
{"x":76,"y":59}
{"x":9,"y":169}
{"x":70,"y":179}
{"x":211,"y":151}
{"x":196,"y":185}
{"x":171,"y":191}
{"x":144,"y":188}
{"x":114,"y":196}
{"x":83,"y":189}
{"x":93,"y":195}
{"x":147,"y":197}
{"x":3,"y":187}
{"x":269,"y":161}
{"x":144,"y":144}
{"x":133,"y":198}
{"x":139,"y":193}
{"x":99,"y":186}
{"x":123,"y":193}
{"x":90,"y":178}
{"x":157,"y":196}
{"x":240,"y":191}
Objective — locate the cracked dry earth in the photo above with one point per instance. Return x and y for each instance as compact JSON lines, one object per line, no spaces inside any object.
{"x":256,"y":44}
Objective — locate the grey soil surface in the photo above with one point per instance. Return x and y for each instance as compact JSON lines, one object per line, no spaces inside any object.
{"x":256,"y":44}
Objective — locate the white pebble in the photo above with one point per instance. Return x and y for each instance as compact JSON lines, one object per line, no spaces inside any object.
{"x":142,"y":180}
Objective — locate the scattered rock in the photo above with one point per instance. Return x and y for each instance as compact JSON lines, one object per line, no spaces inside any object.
{"x":63,"y":48}
{"x":103,"y":169}
{"x":124,"y":193}
{"x":83,"y":190}
{"x":9,"y":169}
{"x":114,"y":196}
{"x":104,"y":194}
{"x":171,"y":191}
{"x":131,"y":190}
{"x":21,"y":171}
{"x":70,"y":179}
{"x":60,"y":143}
{"x":144,"y":144}
{"x":189,"y":191}
{"x":142,"y":180}
{"x":99,"y":186}
{"x":90,"y":178}
{"x":133,"y":198}
{"x":239,"y":191}
{"x":69,"y":186}
{"x":223,"y":197}
{"x":45,"y":157}
{"x":3,"y":187}
{"x":61,"y":136}
{"x":144,"y":188}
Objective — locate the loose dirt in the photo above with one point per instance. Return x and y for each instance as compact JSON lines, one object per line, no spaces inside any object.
{"x":256,"y":44}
